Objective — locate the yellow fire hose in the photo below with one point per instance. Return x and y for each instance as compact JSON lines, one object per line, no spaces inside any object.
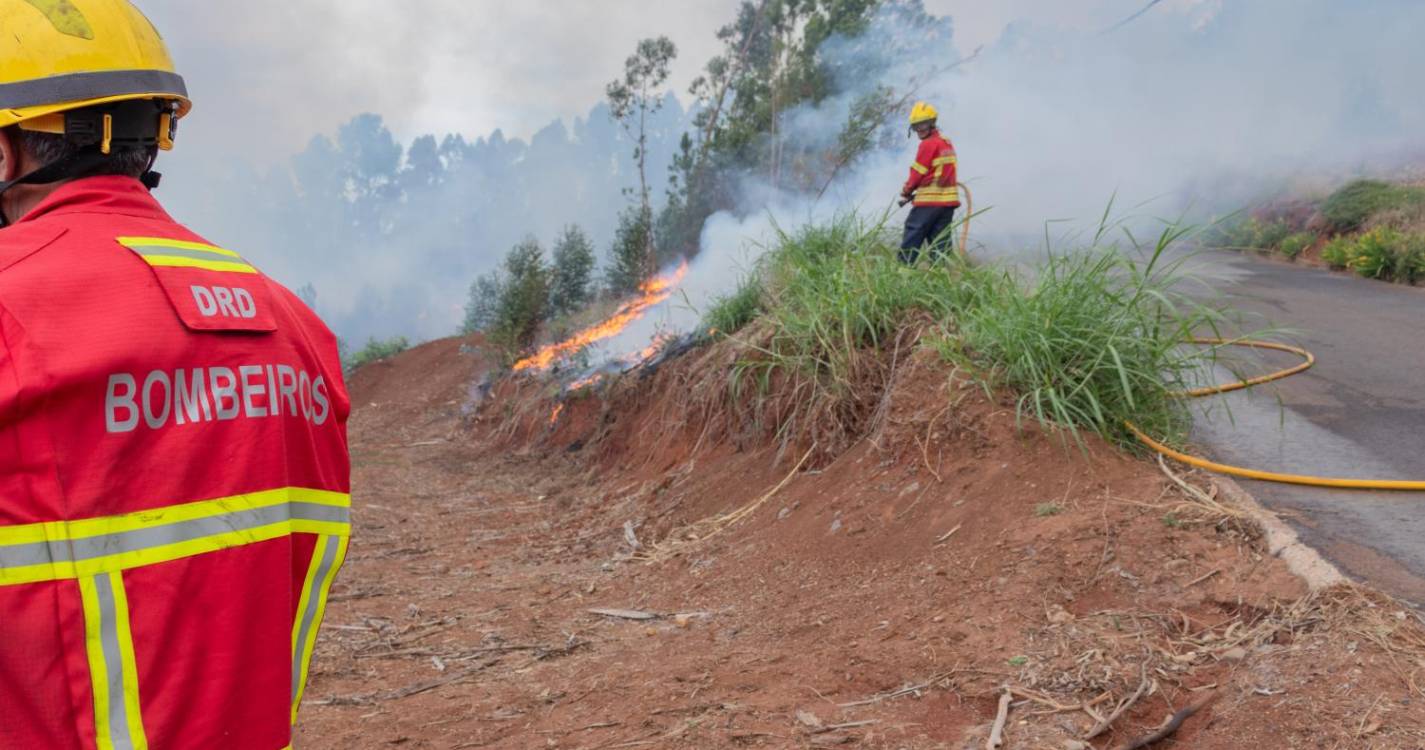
{"x":1269,"y":476}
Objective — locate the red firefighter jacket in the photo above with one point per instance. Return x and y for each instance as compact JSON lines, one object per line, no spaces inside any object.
{"x":174,"y":483}
{"x":932,"y":176}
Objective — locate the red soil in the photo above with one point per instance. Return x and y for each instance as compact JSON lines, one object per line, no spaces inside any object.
{"x":881,"y":600}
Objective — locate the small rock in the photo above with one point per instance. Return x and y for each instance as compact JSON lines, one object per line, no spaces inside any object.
{"x":1236,"y":653}
{"x":809,"y":719}
{"x":836,"y":525}
{"x":1076,"y":745}
{"x":783,"y":513}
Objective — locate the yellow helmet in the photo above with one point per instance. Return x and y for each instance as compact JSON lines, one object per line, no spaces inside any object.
{"x":922,"y":112}
{"x":57,"y":56}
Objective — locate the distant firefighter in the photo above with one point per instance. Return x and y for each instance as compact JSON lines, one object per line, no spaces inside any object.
{"x":932,"y":188}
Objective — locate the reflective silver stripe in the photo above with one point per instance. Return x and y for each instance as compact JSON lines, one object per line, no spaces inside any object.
{"x":93,"y":85}
{"x":319,"y":580}
{"x":88,"y":548}
{"x":113,"y":662}
{"x":185,"y":252}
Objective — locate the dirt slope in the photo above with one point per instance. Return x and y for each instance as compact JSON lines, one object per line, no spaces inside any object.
{"x":880,"y":600}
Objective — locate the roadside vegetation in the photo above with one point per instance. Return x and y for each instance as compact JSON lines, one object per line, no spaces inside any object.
{"x":1375,"y":229}
{"x":374,"y":350}
{"x":1094,"y":338}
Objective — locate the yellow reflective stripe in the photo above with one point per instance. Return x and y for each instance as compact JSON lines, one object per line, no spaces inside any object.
{"x":146,"y":519}
{"x":327,"y":558}
{"x":920,"y":168}
{"x":102,"y":545}
{"x":174,"y":261}
{"x":132,"y":242}
{"x":942,"y":161}
{"x":113,"y":670}
{"x":129,"y":662}
{"x":98,"y":671}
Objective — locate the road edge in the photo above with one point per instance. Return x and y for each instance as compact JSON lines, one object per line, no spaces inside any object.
{"x":1282,"y":541}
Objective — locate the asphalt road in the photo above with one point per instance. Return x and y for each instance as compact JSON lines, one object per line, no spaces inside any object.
{"x":1360,"y":412}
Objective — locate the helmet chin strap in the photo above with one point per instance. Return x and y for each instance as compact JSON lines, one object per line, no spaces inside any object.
{"x":71,"y":167}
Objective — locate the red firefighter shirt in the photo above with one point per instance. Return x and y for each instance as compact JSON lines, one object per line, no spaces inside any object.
{"x":932,"y":176}
{"x":174,"y":496}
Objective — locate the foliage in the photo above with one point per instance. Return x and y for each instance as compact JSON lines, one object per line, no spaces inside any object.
{"x":729,"y":313}
{"x":1294,"y":244}
{"x":524,"y":303}
{"x":632,"y":99}
{"x":629,"y":260}
{"x":483,"y":305}
{"x":1350,"y":207}
{"x":375,"y":350}
{"x":1093,"y":340}
{"x":571,"y":285}
{"x":1381,"y":253}
{"x":1338,"y":252}
{"x":1249,"y":233}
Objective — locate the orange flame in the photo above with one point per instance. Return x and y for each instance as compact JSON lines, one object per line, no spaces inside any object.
{"x":554,"y":417}
{"x":650,"y":293}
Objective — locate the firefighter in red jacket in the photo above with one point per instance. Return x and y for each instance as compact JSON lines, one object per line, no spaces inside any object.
{"x":932,"y":188}
{"x":174,"y":477}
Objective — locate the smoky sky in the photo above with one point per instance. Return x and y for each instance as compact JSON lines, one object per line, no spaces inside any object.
{"x":1195,"y":103}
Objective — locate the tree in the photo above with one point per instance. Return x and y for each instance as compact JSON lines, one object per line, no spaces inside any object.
{"x":573,"y":272}
{"x":628,"y":258}
{"x":631,"y":100}
{"x":483,"y":306}
{"x":524,"y":303}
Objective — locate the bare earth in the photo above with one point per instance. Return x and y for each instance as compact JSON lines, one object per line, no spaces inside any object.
{"x":881,"y":597}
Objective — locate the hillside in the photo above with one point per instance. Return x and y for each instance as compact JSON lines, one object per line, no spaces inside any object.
{"x":881,"y":595}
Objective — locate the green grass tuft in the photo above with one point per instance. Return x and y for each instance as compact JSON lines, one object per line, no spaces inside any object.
{"x":1095,"y":338}
{"x":730,"y":313}
{"x":1348,"y":209}
{"x":1294,"y":244}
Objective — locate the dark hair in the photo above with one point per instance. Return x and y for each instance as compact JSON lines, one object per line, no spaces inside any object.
{"x":48,"y":148}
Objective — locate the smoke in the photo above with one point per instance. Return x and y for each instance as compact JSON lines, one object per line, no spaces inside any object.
{"x":1190,"y":110}
{"x":1195,"y":107}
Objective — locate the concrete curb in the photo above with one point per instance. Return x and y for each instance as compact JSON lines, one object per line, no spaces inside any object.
{"x":1282,"y":541}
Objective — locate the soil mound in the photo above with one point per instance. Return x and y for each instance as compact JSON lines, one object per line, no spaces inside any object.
{"x":653,"y":563}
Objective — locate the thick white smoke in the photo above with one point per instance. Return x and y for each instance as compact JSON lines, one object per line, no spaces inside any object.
{"x":1195,"y":107}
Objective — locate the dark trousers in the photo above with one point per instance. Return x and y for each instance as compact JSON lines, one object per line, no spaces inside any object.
{"x":927,"y":224}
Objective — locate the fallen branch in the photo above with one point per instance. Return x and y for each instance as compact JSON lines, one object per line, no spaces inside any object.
{"x":1171,"y":726}
{"x":997,"y":731}
{"x":898,"y":693}
{"x":1122,"y":708}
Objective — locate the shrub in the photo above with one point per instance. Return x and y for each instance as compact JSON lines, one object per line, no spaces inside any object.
{"x":1295,"y":244}
{"x":1338,"y":252}
{"x":1374,"y":253}
{"x":1410,"y":267}
{"x":524,"y":299}
{"x":375,"y":351}
{"x":1348,"y":209}
{"x":729,"y":313}
{"x":1247,"y":233}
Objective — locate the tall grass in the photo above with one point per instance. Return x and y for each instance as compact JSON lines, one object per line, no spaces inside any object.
{"x":1089,"y":340}
{"x":1096,"y":340}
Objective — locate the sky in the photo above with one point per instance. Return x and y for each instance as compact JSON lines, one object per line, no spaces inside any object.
{"x":274,"y":72}
{"x":1205,"y":104}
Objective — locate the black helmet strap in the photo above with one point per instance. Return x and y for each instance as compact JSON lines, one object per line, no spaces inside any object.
{"x":98,"y":131}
